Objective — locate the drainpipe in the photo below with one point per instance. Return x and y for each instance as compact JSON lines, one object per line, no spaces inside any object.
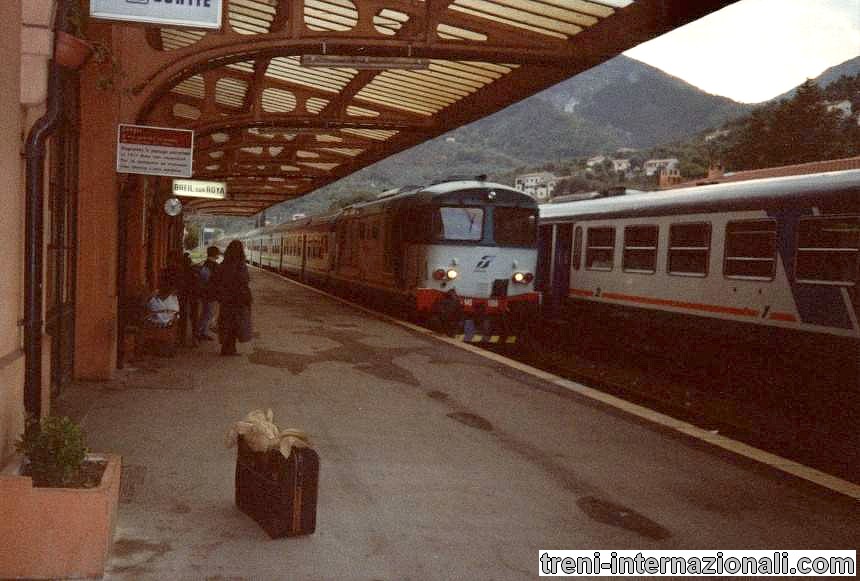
{"x":33,"y":277}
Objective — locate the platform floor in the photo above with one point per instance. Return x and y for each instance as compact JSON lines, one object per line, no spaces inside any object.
{"x":436,"y":463}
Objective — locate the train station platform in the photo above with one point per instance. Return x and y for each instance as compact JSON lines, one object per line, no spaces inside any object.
{"x":436,"y":462}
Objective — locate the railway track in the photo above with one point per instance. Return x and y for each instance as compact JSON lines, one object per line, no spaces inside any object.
{"x":731,"y":397}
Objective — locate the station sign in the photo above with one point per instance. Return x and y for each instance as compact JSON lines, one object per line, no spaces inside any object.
{"x":155,"y":151}
{"x":200,"y":189}
{"x":191,"y":13}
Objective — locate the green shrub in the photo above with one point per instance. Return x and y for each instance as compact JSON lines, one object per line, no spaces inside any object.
{"x":55,"y":450}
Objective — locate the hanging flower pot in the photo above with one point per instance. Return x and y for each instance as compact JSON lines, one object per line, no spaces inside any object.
{"x":70,"y":51}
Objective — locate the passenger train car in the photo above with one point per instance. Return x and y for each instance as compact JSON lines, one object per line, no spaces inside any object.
{"x":468,"y":241}
{"x":775,"y":259}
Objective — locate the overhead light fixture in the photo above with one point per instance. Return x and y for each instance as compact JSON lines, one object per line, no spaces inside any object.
{"x":363,"y":62}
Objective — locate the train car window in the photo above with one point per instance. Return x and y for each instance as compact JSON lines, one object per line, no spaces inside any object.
{"x":828,"y":250}
{"x":577,"y":248}
{"x":375,"y":231}
{"x":689,"y":249}
{"x":600,"y":248}
{"x":640,"y":249}
{"x":750,"y":250}
{"x":515,"y":226}
{"x":459,"y":223}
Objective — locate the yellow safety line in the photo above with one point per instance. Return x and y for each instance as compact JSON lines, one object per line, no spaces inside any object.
{"x":783,"y":464}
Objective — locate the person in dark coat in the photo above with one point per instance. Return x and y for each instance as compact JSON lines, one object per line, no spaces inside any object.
{"x":205,"y":293}
{"x":180,"y":273}
{"x":231,"y":283}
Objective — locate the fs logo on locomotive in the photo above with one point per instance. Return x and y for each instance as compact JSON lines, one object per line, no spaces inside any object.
{"x":484,"y":263}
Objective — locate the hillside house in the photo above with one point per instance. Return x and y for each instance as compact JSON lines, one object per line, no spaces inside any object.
{"x":655,"y":166}
{"x":595,"y":161}
{"x":538,"y":185}
{"x":621,"y":166}
{"x":844,"y":107}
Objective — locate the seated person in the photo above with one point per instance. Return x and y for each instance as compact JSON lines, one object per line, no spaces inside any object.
{"x":162,"y":309}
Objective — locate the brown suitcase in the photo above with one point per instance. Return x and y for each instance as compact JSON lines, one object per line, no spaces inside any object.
{"x":279,"y":493}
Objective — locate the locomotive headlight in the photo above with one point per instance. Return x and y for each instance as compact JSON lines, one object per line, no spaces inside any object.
{"x":451,"y":274}
{"x":522,"y":277}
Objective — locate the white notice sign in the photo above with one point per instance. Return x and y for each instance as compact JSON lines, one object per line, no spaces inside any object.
{"x":155,"y":151}
{"x":193,"y":13}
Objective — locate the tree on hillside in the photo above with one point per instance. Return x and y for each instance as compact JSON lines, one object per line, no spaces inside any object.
{"x":796,"y":130}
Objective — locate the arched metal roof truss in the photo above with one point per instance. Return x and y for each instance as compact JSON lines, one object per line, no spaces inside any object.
{"x":275,"y":128}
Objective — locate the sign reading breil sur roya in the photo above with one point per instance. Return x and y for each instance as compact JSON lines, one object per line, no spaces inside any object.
{"x":194,"y":13}
{"x":200,"y":189}
{"x":155,"y":151}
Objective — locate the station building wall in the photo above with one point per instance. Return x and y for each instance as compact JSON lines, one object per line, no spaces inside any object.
{"x":26,"y":44}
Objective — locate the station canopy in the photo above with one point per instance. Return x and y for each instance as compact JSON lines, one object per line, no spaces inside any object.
{"x":294,"y":94}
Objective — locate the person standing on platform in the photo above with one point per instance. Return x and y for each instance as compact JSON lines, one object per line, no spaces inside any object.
{"x":179,"y":269}
{"x":231,"y":285}
{"x":206,"y":293}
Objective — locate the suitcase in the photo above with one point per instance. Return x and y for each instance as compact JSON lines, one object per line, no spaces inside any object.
{"x":279,"y":493}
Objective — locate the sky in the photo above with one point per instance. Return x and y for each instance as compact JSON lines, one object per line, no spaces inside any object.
{"x":754,"y":50}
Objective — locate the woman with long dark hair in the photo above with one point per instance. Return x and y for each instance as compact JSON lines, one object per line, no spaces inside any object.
{"x":233,"y":292}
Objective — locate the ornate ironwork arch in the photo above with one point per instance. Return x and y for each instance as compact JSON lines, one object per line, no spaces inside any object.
{"x":275,"y":128}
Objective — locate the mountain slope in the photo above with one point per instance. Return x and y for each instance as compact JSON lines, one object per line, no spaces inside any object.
{"x":646,"y":105}
{"x":849,"y":68}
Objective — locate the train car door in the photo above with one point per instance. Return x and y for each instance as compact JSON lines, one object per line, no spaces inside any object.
{"x":560,"y":271}
{"x":544,"y":265}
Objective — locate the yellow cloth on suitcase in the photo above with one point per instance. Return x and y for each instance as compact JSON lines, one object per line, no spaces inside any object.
{"x":262,"y":434}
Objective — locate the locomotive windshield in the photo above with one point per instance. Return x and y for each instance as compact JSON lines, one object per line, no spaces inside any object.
{"x":515,"y":226}
{"x":459,"y":224}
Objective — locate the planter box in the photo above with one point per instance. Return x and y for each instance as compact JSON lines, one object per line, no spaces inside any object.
{"x":57,"y":532}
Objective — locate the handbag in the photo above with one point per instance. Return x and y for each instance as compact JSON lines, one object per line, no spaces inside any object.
{"x":245,"y":330}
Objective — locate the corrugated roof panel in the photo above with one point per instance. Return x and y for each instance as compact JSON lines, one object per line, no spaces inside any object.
{"x":343,"y":151}
{"x":183,"y":111}
{"x":278,"y":101}
{"x":322,"y":166}
{"x":354,"y":111}
{"x":192,"y":87}
{"x":230,"y":92}
{"x":410,"y":104}
{"x":252,"y":16}
{"x":244,"y":66}
{"x":330,"y":15}
{"x":325,"y":79}
{"x":449,"y":32}
{"x":315,"y":105}
{"x":368,"y":95}
{"x":175,"y":38}
{"x":388,"y":22}
{"x":406,"y":91}
{"x":375,"y":134}
{"x":516,"y":18}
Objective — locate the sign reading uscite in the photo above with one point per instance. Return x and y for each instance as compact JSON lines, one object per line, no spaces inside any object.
{"x":196,"y":13}
{"x":200,"y":189}
{"x":155,"y":151}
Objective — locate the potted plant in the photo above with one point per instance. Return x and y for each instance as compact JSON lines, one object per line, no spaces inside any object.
{"x":71,"y":48}
{"x":58,"y":504}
